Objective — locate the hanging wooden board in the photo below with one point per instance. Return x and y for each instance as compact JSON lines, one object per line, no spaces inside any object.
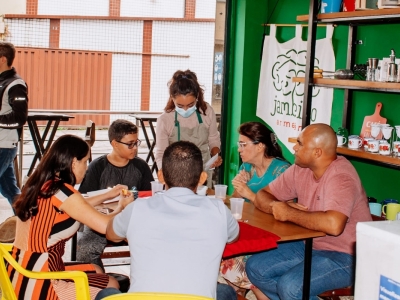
{"x":373,"y":119}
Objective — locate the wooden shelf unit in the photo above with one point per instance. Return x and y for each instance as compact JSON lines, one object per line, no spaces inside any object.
{"x":352,"y":20}
{"x":390,"y":87}
{"x":390,"y":161}
{"x":361,"y":17}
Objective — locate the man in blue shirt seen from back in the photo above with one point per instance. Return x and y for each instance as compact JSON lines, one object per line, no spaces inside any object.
{"x":176,"y":238}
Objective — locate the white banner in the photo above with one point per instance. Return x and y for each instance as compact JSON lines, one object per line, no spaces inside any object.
{"x":280,"y":100}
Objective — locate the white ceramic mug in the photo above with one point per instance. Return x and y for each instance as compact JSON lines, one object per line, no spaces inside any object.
{"x":373,"y":146}
{"x":384,"y":148}
{"x":365,"y":142}
{"x":396,"y":148}
{"x":355,"y":142}
{"x":341,"y":140}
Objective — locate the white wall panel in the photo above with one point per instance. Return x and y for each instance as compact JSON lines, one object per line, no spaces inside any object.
{"x":73,"y":7}
{"x":28,"y":32}
{"x":189,"y":38}
{"x":101,"y":35}
{"x":13,"y":7}
{"x":153,"y":8}
{"x":205,"y":9}
{"x":126,"y":81}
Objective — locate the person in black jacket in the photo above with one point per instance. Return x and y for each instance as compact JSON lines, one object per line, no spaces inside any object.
{"x":119,"y":169}
{"x":13,"y":115}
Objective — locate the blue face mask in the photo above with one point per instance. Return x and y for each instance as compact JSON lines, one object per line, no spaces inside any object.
{"x":185,"y":113}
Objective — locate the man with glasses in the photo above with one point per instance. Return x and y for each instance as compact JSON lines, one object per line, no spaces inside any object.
{"x":120,"y":168}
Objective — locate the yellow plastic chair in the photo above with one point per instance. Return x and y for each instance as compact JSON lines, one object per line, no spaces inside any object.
{"x":8,"y":293}
{"x":150,"y":296}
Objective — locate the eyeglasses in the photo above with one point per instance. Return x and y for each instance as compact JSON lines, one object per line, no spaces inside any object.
{"x":243,"y":144}
{"x":131,"y":145}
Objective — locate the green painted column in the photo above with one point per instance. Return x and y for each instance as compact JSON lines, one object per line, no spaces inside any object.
{"x":243,"y":44}
{"x":243,"y":48}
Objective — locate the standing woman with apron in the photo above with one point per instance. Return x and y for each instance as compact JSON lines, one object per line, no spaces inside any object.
{"x":187,"y":117}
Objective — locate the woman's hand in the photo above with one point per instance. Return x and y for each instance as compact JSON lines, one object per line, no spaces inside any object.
{"x":125,"y":198}
{"x":242,"y":176}
{"x":115,"y":191}
{"x":217,"y":163}
{"x":242,"y":188}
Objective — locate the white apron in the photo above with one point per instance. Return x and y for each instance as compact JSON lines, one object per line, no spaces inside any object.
{"x":197,"y":135}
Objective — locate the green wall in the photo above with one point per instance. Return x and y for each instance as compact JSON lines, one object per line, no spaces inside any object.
{"x":244,"y":40}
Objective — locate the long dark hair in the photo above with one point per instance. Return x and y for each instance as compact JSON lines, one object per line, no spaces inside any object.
{"x":183,"y":83}
{"x":55,"y":168}
{"x":258,"y":132}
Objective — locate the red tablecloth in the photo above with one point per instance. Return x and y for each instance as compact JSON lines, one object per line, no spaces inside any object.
{"x":251,"y":239}
{"x":143,"y":194}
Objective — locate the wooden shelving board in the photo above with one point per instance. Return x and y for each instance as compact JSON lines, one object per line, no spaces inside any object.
{"x":370,"y":16}
{"x":361,"y":154}
{"x":393,"y":87}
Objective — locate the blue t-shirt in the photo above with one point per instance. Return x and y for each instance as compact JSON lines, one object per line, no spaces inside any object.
{"x":256,"y":183}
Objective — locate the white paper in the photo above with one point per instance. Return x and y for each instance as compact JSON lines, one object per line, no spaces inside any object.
{"x":100,"y":192}
{"x":210,"y":162}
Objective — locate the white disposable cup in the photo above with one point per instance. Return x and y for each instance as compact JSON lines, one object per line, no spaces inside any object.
{"x":237,"y":207}
{"x":202,"y":190}
{"x":220,"y":191}
{"x":156,"y":186}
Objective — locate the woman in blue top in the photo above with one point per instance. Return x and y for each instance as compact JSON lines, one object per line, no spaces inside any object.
{"x":262,"y":160}
{"x":262,"y":163}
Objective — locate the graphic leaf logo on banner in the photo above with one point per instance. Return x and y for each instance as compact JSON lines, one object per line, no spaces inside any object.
{"x":280,"y":100}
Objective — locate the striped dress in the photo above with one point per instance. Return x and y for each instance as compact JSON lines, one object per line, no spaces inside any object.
{"x":40,"y":245}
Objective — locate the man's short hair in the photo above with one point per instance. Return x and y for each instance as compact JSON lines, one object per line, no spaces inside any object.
{"x":182,"y":165}
{"x":119,"y":128}
{"x":8,"y":51}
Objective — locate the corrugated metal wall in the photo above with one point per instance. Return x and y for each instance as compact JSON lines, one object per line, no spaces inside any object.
{"x":67,"y":79}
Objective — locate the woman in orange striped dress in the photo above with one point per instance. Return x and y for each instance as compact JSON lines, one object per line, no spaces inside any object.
{"x":49,"y":212}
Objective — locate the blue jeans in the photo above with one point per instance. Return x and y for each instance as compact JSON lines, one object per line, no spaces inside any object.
{"x":106,"y":292}
{"x":8,"y":182}
{"x":224,"y":292}
{"x":278,"y":273}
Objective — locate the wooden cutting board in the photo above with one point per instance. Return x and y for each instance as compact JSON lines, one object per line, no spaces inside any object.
{"x":375,"y":118}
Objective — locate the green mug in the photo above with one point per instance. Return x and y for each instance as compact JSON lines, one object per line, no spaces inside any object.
{"x":391,"y":210}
